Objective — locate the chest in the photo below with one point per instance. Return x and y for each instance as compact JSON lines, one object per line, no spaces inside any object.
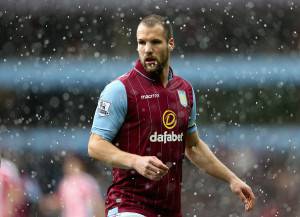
{"x":160,"y":108}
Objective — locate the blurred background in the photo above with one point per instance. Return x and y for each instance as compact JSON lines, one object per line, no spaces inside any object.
{"x":242,"y":58}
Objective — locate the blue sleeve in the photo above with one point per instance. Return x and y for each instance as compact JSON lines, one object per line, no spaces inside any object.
{"x":192,"y":127}
{"x":111,"y":111}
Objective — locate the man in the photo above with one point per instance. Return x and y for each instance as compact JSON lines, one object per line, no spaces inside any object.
{"x":143,"y":126}
{"x":78,"y":194}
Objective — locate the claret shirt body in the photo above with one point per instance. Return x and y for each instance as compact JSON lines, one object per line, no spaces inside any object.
{"x":140,"y":116}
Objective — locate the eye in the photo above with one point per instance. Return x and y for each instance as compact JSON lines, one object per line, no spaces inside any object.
{"x":156,"y":41}
{"x":141,"y":42}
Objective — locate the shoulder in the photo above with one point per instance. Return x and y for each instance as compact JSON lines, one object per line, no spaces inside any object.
{"x":127,"y":76}
{"x":9,"y":169}
{"x":185,"y":87}
{"x":114,"y":87}
{"x":182,"y":82}
{"x":114,"y":96}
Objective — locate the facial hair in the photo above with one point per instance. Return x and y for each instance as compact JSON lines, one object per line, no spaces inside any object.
{"x":160,"y":65}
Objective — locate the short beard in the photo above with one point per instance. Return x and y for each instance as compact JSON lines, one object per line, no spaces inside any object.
{"x":159,"y":70}
{"x":157,"y":73}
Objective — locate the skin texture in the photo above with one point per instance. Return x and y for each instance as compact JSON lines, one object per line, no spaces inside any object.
{"x":154,"y":53}
{"x":154,"y":50}
{"x":148,"y":166}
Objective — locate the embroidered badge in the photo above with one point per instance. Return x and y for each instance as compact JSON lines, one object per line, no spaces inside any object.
{"x":103,"y":108}
{"x":182,"y":98}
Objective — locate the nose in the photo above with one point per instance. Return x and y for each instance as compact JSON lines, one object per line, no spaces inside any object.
{"x":148,"y":48}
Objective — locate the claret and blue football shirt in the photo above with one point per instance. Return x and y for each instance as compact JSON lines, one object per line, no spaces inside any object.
{"x":140,"y":116}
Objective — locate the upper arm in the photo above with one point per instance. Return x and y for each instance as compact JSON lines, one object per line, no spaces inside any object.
{"x":111,"y":111}
{"x":191,"y":139}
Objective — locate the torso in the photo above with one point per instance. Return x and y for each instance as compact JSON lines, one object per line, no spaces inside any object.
{"x":155,"y":124}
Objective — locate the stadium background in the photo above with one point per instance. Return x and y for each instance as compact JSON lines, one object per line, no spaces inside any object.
{"x":241,"y":56}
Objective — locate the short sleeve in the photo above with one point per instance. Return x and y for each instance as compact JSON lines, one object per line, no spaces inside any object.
{"x":192,"y":127}
{"x":111,"y":111}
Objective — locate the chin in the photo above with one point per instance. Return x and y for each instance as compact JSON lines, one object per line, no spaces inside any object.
{"x":154,"y":71}
{"x":150,"y":69}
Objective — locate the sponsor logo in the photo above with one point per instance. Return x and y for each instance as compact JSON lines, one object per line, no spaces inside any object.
{"x":169,"y":119}
{"x":166,"y":137}
{"x":150,"y":96}
{"x":103,"y":108}
{"x":182,"y":98}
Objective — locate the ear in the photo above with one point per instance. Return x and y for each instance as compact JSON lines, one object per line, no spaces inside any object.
{"x":171,"y":44}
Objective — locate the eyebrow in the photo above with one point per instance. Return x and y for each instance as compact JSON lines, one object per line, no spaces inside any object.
{"x":152,"y":40}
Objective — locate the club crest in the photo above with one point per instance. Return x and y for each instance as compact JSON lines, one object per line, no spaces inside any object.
{"x":182,"y":98}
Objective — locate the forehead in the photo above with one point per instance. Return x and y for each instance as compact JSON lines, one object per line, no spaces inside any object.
{"x":150,"y":32}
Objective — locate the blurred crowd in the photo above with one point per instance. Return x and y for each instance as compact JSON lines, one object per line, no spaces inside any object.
{"x":56,"y":183}
{"x":97,"y":31}
{"x":25,"y":191}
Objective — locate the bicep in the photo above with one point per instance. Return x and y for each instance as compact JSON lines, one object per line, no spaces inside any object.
{"x":191,"y":139}
{"x":97,"y":142}
{"x":194,"y":143}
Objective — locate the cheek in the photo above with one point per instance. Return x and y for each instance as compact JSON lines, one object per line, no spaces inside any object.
{"x":140,"y":50}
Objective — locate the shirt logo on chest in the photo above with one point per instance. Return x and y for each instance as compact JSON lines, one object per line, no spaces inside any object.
{"x":150,"y":96}
{"x":182,"y":98}
{"x":169,"y":119}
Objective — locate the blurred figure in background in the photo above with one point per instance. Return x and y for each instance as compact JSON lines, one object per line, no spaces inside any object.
{"x":32,"y":193}
{"x":78,"y":193}
{"x":11,"y":191}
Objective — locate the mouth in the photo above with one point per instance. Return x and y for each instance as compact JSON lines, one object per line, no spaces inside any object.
{"x":150,"y":61}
